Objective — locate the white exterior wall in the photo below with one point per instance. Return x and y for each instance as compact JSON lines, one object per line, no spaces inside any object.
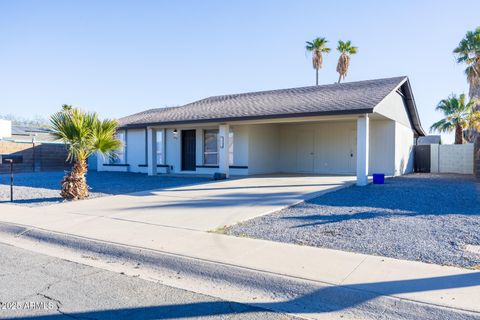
{"x":263,"y":148}
{"x":404,"y":142}
{"x":136,"y":153}
{"x":173,"y":150}
{"x":5,"y":128}
{"x":394,"y":108}
{"x":382,"y":147}
{"x":325,"y":147}
{"x":333,"y":143}
{"x":451,"y":158}
{"x":136,"y":150}
{"x":240,"y":145}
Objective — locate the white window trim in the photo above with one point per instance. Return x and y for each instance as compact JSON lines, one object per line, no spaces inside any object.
{"x":231,"y":154}
{"x":122,"y":152}
{"x":204,"y":152}
{"x":160,"y":149}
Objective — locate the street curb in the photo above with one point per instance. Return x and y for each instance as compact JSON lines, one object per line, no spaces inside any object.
{"x":299,"y":297}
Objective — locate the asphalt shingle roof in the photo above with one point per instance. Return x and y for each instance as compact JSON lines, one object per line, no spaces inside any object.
{"x":344,"y":98}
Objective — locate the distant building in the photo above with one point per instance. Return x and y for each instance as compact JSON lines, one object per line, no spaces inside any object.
{"x":5,"y":128}
{"x":23,"y":133}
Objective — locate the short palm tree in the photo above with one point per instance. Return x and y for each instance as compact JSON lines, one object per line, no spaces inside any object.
{"x":468,"y":52}
{"x":317,"y":47}
{"x":346,"y":50}
{"x":459,"y":115}
{"x":84,"y":134}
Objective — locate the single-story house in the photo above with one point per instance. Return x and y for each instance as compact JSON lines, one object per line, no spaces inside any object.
{"x":354,"y":128}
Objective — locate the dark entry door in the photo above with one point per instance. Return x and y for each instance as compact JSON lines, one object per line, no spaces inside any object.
{"x":188,"y":150}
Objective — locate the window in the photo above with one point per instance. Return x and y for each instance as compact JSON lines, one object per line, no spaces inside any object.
{"x":119,"y":156}
{"x":160,"y":158}
{"x":210,"y":147}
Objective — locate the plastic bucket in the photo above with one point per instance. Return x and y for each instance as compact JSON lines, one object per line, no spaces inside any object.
{"x":378,"y":178}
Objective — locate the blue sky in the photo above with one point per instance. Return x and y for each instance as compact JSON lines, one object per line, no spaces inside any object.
{"x":121,"y":57}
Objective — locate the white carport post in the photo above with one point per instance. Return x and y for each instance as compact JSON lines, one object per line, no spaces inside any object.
{"x":362,"y":149}
{"x":152,"y":151}
{"x":223,"y":143}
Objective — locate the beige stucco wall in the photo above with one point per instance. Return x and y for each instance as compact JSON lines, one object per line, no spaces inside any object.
{"x":263,"y":148}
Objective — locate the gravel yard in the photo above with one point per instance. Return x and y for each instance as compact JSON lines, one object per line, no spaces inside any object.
{"x":424,"y":217}
{"x":43,"y":188}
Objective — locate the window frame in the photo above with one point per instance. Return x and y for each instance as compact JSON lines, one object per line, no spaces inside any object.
{"x":160,"y":146}
{"x":119,"y":156}
{"x":231,"y":148}
{"x":205,"y":152}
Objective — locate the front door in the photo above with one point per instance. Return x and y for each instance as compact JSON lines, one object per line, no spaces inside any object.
{"x":305,"y":151}
{"x":188,"y":150}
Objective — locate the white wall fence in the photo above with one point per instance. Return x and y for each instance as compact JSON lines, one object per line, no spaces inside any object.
{"x":451,"y":158}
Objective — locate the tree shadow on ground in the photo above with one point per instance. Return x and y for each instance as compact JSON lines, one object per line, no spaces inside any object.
{"x":326,"y":299}
{"x":401,"y":196}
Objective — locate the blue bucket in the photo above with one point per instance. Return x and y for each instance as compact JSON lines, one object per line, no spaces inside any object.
{"x":378,"y":178}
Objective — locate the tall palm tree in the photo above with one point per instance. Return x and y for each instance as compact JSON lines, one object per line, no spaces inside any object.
{"x":317,"y":47}
{"x":468,"y":52}
{"x":83,"y":134}
{"x":459,"y":115}
{"x":473,"y":122}
{"x":346,"y":50}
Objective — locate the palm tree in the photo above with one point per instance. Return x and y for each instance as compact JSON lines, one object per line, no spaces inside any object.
{"x":458,"y":114}
{"x":346,"y":50}
{"x":317,"y":47}
{"x":83,"y":134}
{"x":468,"y":52}
{"x":473,"y":122}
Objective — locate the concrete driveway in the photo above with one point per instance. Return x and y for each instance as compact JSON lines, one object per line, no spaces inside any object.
{"x":172,"y":222}
{"x":205,"y":206}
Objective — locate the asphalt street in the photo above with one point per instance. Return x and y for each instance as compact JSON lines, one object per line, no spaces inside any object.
{"x":36,"y":286}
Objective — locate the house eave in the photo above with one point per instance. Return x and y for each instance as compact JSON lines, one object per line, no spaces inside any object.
{"x":247,"y":118}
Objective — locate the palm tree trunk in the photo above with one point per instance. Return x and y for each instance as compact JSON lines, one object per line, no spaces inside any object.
{"x":316,"y":72}
{"x":458,"y":134}
{"x":339,"y":78}
{"x":74,"y":184}
{"x":475,"y":93}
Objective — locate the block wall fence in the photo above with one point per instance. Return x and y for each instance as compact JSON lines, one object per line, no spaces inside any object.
{"x":45,"y":157}
{"x":452,"y":158}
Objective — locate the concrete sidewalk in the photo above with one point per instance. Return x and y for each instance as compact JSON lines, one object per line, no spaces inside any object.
{"x":414,"y":281}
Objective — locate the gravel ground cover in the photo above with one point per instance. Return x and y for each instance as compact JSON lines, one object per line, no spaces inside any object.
{"x":423,"y":217}
{"x":43,"y":188}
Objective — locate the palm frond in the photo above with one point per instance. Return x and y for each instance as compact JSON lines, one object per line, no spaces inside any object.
{"x":456,"y":111}
{"x":84,"y":133}
{"x":346,"y":49}
{"x":468,"y":53}
{"x":442,"y":126}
